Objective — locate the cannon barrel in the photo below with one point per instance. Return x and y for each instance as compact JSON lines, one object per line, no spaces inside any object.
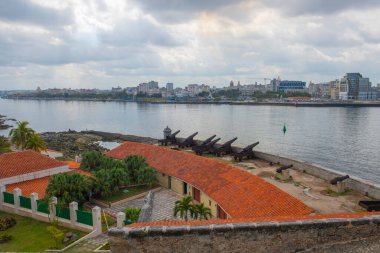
{"x":175,"y":133}
{"x":334,"y":181}
{"x":208,"y":140}
{"x":279,"y":170}
{"x":192,"y":136}
{"x":249,"y":147}
{"x":212,"y":143}
{"x":229,"y":142}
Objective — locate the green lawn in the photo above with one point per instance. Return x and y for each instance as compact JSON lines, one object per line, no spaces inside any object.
{"x":131,"y":192}
{"x":30,"y":235}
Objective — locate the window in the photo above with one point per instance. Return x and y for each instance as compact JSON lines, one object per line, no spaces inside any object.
{"x":209,"y":202}
{"x":184,"y":188}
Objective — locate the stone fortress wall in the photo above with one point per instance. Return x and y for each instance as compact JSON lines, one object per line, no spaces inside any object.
{"x":325,"y":235}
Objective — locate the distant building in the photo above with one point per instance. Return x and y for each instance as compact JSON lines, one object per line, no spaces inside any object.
{"x":274,"y":84}
{"x":292,"y":86}
{"x":169,"y":86}
{"x":232,"y":83}
{"x":153,"y":85}
{"x":359,"y":87}
{"x":117,"y":89}
{"x":143,"y":88}
{"x":319,"y":90}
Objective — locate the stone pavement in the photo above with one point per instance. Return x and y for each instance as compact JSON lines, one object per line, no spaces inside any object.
{"x":90,"y":245}
{"x":137,"y":203}
{"x":163,"y":205}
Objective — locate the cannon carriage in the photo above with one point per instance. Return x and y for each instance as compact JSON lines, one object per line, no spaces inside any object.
{"x":201,"y":149}
{"x":172,"y":139}
{"x":245,"y":152}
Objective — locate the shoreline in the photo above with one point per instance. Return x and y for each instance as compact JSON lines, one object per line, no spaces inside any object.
{"x":291,"y":104}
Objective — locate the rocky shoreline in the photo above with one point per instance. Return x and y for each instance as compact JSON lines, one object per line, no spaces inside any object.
{"x":3,"y":120}
{"x":73,"y":143}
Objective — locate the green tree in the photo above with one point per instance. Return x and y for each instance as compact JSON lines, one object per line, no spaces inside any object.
{"x":4,"y":145}
{"x":184,"y":208}
{"x":132,"y":164}
{"x":201,"y":212}
{"x":36,"y":143}
{"x":91,"y":160}
{"x":68,"y":187}
{"x":146,"y":175}
{"x":132,"y":214}
{"x":21,"y":134}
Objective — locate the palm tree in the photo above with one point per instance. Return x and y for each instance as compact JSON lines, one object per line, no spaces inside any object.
{"x":21,"y":134}
{"x":4,"y":145}
{"x":184,"y":207}
{"x":201,"y":212}
{"x":36,"y":143}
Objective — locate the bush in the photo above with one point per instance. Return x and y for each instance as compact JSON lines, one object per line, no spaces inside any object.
{"x":5,"y":238}
{"x":56,"y":234}
{"x":6,"y":223}
{"x":132,"y":214}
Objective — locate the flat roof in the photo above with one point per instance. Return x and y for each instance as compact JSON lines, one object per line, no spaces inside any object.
{"x":239,"y":193}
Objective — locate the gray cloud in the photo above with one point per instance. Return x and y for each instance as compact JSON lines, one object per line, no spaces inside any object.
{"x":319,"y":7}
{"x":27,"y":12}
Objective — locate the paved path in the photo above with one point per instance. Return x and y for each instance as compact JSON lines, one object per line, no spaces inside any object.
{"x":163,"y":205}
{"x":90,"y":245}
{"x":137,"y":203}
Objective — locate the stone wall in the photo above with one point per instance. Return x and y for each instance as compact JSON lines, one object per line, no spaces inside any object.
{"x":360,"y":185}
{"x":326,"y":235}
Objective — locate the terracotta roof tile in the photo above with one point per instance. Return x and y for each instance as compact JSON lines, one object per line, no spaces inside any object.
{"x":239,"y":193}
{"x":37,"y":185}
{"x":260,"y":219}
{"x":23,"y":162}
{"x":72,"y":164}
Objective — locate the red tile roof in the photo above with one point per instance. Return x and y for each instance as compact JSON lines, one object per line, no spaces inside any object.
{"x":37,"y":185}
{"x":260,"y":219}
{"x":23,"y":162}
{"x":239,"y":193}
{"x":72,"y":164}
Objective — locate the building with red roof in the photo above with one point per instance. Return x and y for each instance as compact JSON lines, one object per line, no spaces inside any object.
{"x":26,"y":165}
{"x":228,"y":191}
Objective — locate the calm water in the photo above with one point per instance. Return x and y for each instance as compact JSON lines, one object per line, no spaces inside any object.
{"x":345,"y":139}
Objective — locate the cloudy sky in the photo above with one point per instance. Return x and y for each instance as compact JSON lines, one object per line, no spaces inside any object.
{"x":105,"y":43}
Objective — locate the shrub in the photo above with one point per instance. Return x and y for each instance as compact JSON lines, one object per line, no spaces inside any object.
{"x":56,"y":234}
{"x":132,"y":214}
{"x":6,"y":223}
{"x":5,"y":238}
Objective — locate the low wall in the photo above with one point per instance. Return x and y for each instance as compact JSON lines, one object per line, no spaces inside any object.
{"x":360,"y":185}
{"x":326,"y":235}
{"x":44,"y":217}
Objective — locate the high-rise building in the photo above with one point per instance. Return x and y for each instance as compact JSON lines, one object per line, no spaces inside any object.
{"x":153,"y":85}
{"x":359,"y":87}
{"x":169,"y":86}
{"x":232,"y":83}
{"x":143,"y":88}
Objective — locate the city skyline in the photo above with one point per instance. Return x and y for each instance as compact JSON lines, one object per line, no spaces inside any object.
{"x":103,"y":44}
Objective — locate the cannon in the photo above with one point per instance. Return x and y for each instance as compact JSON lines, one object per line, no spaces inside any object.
{"x":199,"y":150}
{"x":279,"y":170}
{"x":169,"y":139}
{"x":225,"y":148}
{"x":188,"y":142}
{"x":208,"y":140}
{"x":370,"y":205}
{"x":334,"y":181}
{"x":245,"y":152}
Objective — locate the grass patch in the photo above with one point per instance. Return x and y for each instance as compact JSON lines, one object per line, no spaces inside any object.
{"x":280,"y":178}
{"x":132,"y":191}
{"x":331,"y":193}
{"x":265,"y":174}
{"x":30,"y":235}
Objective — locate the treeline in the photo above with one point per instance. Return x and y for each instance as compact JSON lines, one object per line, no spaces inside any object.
{"x":109,"y":176}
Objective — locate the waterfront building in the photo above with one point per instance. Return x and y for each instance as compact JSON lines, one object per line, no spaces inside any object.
{"x":359,"y":87}
{"x":153,"y":85}
{"x":231,"y":84}
{"x":169,"y":87}
{"x":143,"y":88}
{"x":292,"y":86}
{"x":319,"y":90}
{"x":274,"y":84}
